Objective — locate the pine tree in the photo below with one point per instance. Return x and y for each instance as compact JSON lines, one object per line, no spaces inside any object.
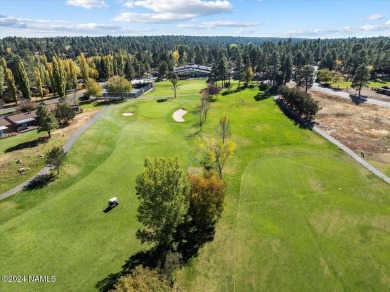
{"x":45,"y":120}
{"x":361,"y":77}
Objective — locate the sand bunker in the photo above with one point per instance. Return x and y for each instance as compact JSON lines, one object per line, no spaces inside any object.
{"x":127,"y":114}
{"x":178,"y":115}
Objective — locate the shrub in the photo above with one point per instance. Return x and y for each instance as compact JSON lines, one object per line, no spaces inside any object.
{"x":162,"y":100}
{"x":26,"y":106}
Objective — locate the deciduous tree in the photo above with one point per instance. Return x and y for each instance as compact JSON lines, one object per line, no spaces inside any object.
{"x":59,"y":77}
{"x":324,"y":75}
{"x":162,"y":189}
{"x":142,"y":280}
{"x":84,"y":68}
{"x":223,"y":129}
{"x":93,"y":88}
{"x":24,"y":82}
{"x":10,"y":81}
{"x":38,"y":81}
{"x":217,"y":153}
{"x":118,"y":86}
{"x":206,"y":200}
{"x":174,"y":79}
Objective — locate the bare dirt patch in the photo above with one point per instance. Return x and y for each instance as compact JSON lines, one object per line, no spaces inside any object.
{"x":363,"y":128}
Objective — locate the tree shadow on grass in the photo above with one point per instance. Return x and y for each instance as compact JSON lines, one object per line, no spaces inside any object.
{"x":28,"y":144}
{"x":358,"y":99}
{"x":188,"y":241}
{"x":262,"y":96}
{"x":147,"y":259}
{"x":191,"y":239}
{"x":40,"y":181}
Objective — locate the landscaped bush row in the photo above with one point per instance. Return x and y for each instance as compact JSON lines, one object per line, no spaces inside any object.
{"x":300,"y":102}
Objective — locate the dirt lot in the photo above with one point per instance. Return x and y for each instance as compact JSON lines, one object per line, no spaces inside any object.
{"x":361,"y":127}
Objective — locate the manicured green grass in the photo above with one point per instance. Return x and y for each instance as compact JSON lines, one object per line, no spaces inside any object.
{"x":347,"y":84}
{"x":342,"y":85}
{"x":378,"y":84}
{"x":299,"y":214}
{"x":185,"y":87}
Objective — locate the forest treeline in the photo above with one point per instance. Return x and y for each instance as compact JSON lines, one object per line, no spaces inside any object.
{"x":57,"y":62}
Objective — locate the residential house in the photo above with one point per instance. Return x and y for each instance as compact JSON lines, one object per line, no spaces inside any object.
{"x":5,"y":127}
{"x":22,"y":122}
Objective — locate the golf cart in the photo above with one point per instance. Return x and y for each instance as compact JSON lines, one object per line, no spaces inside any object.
{"x":113,"y":202}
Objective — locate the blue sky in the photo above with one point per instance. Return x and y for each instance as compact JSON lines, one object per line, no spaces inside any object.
{"x":257,"y":18}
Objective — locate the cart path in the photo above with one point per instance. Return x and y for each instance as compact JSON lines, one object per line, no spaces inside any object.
{"x":318,"y":87}
{"x":339,"y":144}
{"x":352,"y":154}
{"x":66,"y":147}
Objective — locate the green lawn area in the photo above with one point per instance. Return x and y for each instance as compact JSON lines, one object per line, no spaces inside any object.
{"x":347,"y":84}
{"x":299,"y":215}
{"x":341,"y":85}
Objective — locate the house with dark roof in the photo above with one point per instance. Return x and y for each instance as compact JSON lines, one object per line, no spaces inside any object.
{"x":22,"y":122}
{"x":5,"y":127}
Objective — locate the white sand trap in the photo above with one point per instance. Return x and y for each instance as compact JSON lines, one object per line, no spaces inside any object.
{"x":178,"y":115}
{"x":127,"y":114}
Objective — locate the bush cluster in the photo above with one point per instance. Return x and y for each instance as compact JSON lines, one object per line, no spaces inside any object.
{"x":300,"y":102}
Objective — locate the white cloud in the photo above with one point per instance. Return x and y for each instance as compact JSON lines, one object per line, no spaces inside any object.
{"x":64,"y":27}
{"x":88,"y":4}
{"x":375,"y":16}
{"x":368,"y":27}
{"x":172,"y":10}
{"x":343,"y":31}
{"x":152,"y":17}
{"x":387,"y":22}
{"x":215,"y":24}
{"x":196,"y":7}
{"x":245,"y":31}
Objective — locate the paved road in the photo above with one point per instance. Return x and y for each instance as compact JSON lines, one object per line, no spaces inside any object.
{"x":342,"y":147}
{"x":355,"y":98}
{"x":66,"y":147}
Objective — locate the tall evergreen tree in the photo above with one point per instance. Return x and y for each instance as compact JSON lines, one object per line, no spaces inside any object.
{"x":45,"y":120}
{"x":305,"y":77}
{"x":286,"y":67}
{"x":361,"y":77}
